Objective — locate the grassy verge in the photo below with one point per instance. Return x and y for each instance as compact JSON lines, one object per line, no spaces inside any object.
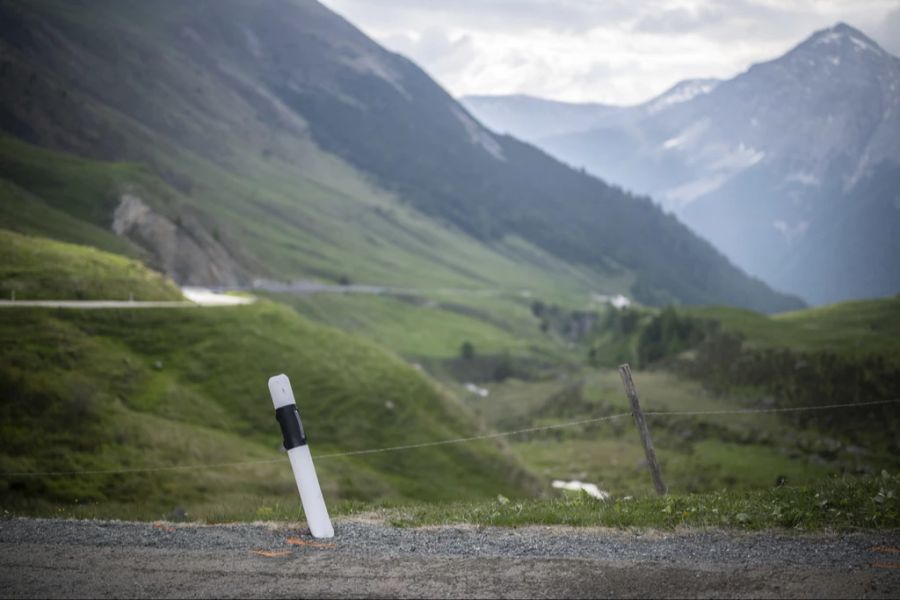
{"x":845,"y":503}
{"x":837,"y":504}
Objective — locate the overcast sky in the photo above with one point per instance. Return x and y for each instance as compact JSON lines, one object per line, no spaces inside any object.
{"x":614,"y":51}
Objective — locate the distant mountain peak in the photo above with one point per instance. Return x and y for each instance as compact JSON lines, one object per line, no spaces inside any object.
{"x":682,"y":92}
{"x":840,"y":36}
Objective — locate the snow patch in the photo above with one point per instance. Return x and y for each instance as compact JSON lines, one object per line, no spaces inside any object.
{"x":591,"y":489}
{"x":618,"y":300}
{"x":683,"y":92}
{"x":208,"y":297}
{"x":836,"y":37}
{"x":829,"y":38}
{"x":863,"y":45}
{"x":478,"y":391}
{"x":738,"y":158}
{"x":478,"y":135}
{"x":688,"y":135}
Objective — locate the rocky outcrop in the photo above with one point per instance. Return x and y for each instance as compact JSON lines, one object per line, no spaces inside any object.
{"x":185,"y":251}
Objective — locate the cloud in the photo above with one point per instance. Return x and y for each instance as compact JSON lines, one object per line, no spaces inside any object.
{"x":614,"y":51}
{"x":889,"y":33}
{"x":434,"y":47}
{"x":679,"y":20}
{"x":508,"y":15}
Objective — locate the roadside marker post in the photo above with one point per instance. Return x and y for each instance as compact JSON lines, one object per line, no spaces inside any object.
{"x":288,"y":417}
{"x":641,"y":422}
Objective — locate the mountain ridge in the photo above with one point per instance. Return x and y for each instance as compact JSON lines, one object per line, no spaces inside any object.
{"x":238,"y":103}
{"x":759,"y":159}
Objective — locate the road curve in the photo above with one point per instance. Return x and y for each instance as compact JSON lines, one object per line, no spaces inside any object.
{"x":67,"y":559}
{"x":196,"y":297}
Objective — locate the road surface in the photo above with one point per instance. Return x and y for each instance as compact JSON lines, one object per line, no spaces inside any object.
{"x":195,"y":297}
{"x":69,"y":559}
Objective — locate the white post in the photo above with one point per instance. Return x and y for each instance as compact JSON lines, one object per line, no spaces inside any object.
{"x":301,"y":460}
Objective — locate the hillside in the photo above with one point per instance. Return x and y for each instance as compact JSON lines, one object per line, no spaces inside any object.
{"x":752,"y":389}
{"x":33,"y":268}
{"x":789,"y":168}
{"x":131,"y":389}
{"x":298,"y":148}
{"x":849,"y":328}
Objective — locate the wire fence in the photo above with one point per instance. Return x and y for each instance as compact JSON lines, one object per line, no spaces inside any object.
{"x":461,"y":440}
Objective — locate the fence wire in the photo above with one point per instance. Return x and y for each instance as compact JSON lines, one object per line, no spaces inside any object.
{"x":462,"y":440}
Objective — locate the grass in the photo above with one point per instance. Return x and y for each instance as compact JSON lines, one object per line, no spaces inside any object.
{"x":41,"y":269}
{"x":412,"y":326}
{"x":841,"y":504}
{"x":431,"y":326}
{"x":849,"y":328}
{"x":835,"y":504}
{"x":83,"y":188}
{"x":26,"y":213}
{"x":324,"y":221}
{"x":698,"y":453}
{"x":107,"y":389}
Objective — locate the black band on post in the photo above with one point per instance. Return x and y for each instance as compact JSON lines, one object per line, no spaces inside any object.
{"x":291,"y":427}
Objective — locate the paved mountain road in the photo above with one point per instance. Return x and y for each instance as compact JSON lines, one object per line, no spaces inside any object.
{"x":69,"y":559}
{"x":196,"y":297}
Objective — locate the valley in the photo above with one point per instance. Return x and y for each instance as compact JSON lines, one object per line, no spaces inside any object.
{"x":166,"y":391}
{"x":450,"y":302}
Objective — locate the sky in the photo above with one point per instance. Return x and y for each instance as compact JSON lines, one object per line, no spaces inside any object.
{"x":610,"y":51}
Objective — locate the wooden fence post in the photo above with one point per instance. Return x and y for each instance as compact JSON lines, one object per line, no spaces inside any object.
{"x":631,"y":392}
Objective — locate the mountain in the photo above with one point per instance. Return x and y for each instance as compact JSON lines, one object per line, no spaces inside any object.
{"x":774,"y":166}
{"x":235,"y":140}
{"x":535,"y":119}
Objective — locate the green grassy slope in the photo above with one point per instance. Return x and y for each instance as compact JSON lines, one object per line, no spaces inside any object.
{"x":84,"y":189}
{"x":62,"y":196}
{"x":848,"y":328}
{"x":41,"y":269}
{"x":435,"y":324}
{"x":282,"y":224}
{"x":698,"y":453}
{"x":96,"y":390}
{"x":831,"y":355}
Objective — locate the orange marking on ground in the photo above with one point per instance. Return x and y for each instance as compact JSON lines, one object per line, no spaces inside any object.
{"x":886,"y":565}
{"x":295,"y":541}
{"x":271,"y":553}
{"x":885,"y":549}
{"x":163,"y":527}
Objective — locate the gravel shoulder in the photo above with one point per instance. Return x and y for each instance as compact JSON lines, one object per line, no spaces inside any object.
{"x":69,"y":559}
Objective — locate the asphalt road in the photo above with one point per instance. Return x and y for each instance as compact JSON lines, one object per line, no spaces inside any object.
{"x":194,"y":297}
{"x":71,"y":559}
